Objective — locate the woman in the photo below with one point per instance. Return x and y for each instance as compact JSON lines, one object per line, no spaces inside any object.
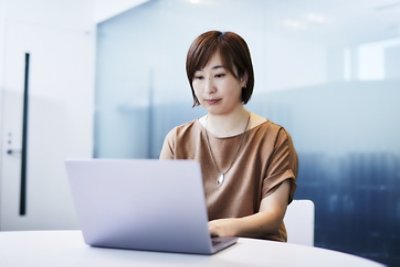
{"x":249,"y":164}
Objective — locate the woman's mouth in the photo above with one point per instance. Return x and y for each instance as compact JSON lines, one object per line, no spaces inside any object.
{"x":212,"y":101}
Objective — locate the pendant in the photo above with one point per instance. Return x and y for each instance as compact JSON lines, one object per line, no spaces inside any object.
{"x":220,"y":179}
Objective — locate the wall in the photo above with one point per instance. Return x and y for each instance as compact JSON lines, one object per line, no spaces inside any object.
{"x":2,"y":25}
{"x":59,"y":36}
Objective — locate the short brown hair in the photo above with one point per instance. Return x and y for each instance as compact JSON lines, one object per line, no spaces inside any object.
{"x":235,"y":55}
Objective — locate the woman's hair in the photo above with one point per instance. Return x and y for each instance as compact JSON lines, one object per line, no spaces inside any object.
{"x":235,"y":56}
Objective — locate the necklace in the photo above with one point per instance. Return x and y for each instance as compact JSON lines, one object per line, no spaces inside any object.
{"x":221,"y":177}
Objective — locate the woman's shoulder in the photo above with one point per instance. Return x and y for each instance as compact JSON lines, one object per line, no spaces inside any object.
{"x":261,"y":122}
{"x":185,"y":129}
{"x":266,"y":127}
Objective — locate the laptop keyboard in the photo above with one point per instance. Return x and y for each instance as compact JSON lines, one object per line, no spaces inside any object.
{"x":215,"y":242}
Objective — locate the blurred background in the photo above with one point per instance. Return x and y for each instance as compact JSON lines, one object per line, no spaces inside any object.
{"x":108,"y":80}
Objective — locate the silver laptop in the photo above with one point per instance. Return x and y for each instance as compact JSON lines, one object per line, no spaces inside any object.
{"x":156,"y":205}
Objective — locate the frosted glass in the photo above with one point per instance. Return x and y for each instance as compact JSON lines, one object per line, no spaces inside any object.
{"x":345,"y":129}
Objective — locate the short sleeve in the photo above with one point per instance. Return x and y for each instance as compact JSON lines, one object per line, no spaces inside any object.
{"x":282,"y":165}
{"x":167,"y":150}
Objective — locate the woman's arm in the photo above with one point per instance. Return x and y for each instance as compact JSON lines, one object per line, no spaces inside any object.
{"x":267,"y":220}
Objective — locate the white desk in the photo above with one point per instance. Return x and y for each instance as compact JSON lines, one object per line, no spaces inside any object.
{"x":67,"y":248}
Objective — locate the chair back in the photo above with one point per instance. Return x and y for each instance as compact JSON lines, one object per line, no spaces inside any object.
{"x":299,"y":222}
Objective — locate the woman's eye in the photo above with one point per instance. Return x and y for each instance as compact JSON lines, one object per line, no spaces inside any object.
{"x":198,"y":77}
{"x":219,"y":75}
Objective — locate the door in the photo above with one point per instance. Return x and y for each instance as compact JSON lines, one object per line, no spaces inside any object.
{"x":58,"y":123}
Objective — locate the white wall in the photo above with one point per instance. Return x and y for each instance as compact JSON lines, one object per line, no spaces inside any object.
{"x":2,"y":24}
{"x":60,"y":37}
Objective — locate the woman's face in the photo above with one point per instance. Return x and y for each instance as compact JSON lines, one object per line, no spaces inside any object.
{"x":217,"y":89}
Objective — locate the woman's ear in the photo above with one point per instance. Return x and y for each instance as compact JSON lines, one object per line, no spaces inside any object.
{"x":244,"y":79}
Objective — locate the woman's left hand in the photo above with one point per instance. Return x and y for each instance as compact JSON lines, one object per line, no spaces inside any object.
{"x":267,"y":220}
{"x":223,"y":227}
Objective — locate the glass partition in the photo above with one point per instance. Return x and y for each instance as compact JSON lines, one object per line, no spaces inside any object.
{"x":328,"y":72}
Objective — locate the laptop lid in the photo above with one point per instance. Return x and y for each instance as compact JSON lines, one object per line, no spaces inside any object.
{"x":156,"y":205}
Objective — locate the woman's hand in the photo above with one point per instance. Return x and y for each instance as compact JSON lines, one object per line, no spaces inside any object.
{"x":267,"y":220}
{"x":223,"y":227}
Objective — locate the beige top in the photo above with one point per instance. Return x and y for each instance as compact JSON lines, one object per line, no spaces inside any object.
{"x":266,"y":159}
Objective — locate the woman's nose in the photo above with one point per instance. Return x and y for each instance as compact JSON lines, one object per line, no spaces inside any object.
{"x":209,"y":86}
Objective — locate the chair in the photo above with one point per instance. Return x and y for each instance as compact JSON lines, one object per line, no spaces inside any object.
{"x":299,"y":222}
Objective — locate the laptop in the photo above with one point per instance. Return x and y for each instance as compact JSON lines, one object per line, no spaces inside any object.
{"x":141,"y":204}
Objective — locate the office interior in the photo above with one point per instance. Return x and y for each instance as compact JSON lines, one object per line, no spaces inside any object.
{"x":107,"y":80}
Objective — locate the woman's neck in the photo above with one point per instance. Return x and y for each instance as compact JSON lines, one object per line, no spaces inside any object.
{"x":227,"y":125}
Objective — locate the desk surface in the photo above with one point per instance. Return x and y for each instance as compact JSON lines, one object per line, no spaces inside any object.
{"x":67,"y":248}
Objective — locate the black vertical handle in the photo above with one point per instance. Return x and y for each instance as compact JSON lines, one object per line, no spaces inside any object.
{"x":150,"y":122}
{"x":24,"y":150}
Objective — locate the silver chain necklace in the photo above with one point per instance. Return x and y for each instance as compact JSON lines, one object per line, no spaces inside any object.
{"x":221,"y":177}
